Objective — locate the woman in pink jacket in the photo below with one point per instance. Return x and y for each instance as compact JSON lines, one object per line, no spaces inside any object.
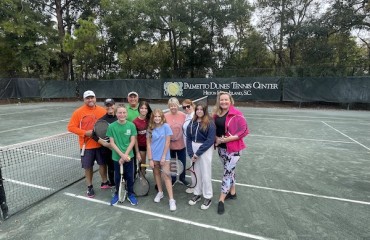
{"x":231,"y":128}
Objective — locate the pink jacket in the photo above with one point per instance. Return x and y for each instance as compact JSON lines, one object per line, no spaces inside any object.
{"x":235,"y":124}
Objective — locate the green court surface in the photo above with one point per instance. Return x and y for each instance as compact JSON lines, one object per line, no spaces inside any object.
{"x":304,"y":175}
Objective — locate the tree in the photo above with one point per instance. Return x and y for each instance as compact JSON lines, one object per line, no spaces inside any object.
{"x":27,"y":40}
{"x":284,"y":20}
{"x":66,"y":12}
{"x":84,"y":46}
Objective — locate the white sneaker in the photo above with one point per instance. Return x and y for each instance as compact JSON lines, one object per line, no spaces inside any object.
{"x":189,"y":190}
{"x":158,"y":197}
{"x":172,"y":205}
{"x":194,"y":199}
{"x":206,"y":204}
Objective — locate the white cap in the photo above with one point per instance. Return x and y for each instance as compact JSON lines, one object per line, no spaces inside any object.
{"x":132,"y":93}
{"x":89,"y":93}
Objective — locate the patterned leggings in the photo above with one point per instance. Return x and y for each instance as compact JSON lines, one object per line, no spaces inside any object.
{"x":229,"y":161}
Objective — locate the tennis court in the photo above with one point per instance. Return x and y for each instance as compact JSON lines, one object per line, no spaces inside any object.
{"x":305,"y":175}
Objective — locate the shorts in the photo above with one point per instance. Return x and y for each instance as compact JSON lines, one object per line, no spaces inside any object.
{"x":142,"y":148}
{"x":87,"y":161}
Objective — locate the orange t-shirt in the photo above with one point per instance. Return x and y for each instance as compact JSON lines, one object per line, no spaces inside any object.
{"x":176,"y":121}
{"x":74,"y":123}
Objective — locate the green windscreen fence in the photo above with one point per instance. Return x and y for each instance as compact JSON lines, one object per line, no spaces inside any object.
{"x":19,"y":88}
{"x":324,"y":89}
{"x":341,"y":90}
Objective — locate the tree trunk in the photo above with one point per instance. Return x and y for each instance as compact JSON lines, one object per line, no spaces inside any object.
{"x":63,"y":55}
{"x":281,"y":37}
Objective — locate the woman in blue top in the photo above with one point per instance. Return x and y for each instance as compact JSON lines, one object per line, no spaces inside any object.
{"x":200,"y":137}
{"x":158,"y":148}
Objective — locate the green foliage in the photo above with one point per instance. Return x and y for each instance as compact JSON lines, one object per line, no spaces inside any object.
{"x":90,"y":39}
{"x":146,"y":60}
{"x":27,"y":40}
{"x":84,"y":46}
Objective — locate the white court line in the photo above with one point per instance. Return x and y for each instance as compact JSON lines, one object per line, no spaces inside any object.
{"x":238,"y":184}
{"x":301,"y":120}
{"x":304,"y":139}
{"x":300,"y":193}
{"x":22,"y":112}
{"x":41,"y":124}
{"x":298,"y":116}
{"x":346,"y":135}
{"x":176,"y":219}
{"x":294,"y":192}
{"x":28,"y":184}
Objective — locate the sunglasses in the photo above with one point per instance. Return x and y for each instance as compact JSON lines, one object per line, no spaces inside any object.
{"x":186,"y":107}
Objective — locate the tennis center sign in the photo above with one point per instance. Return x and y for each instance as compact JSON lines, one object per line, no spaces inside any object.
{"x":267,"y":89}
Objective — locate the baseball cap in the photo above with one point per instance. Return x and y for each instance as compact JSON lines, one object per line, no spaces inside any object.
{"x":133,"y":93}
{"x":89,"y":93}
{"x":109,"y":102}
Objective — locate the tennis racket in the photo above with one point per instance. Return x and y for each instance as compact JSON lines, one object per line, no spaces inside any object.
{"x":122,"y":186}
{"x":176,"y":168}
{"x":141,"y":184}
{"x":239,"y":128}
{"x":185,"y":126}
{"x":86,"y":123}
{"x":177,"y":132}
{"x":191,"y":172}
{"x":100,"y":129}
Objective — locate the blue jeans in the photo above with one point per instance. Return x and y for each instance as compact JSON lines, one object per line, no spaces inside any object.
{"x":128,"y":174}
{"x":181,"y":155}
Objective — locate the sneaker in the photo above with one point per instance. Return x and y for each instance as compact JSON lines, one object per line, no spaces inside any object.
{"x":114,"y":200}
{"x":230,"y":196}
{"x":158,"y":197}
{"x":186,"y":183}
{"x":132,"y":199}
{"x":172,"y":205}
{"x":194,"y":199}
{"x":189,"y":190}
{"x":207,"y":202}
{"x":4,"y":208}
{"x":90,"y":191}
{"x":105,"y":185}
{"x":220,"y":208}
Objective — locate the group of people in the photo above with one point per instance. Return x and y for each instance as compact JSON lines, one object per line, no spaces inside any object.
{"x":137,"y":133}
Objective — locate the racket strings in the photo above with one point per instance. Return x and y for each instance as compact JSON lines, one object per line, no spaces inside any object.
{"x":100,"y":128}
{"x":87,"y":122}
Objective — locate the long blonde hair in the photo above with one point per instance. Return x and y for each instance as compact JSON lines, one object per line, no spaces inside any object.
{"x":217,"y":109}
{"x":152,"y":124}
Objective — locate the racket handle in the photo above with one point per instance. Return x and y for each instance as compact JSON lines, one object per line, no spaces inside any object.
{"x":83,"y":150}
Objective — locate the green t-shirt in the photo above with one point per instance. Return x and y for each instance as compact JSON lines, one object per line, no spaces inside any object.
{"x":132,"y":113}
{"x":121,"y":133}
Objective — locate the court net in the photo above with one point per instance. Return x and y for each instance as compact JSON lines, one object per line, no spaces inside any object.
{"x":34,"y":170}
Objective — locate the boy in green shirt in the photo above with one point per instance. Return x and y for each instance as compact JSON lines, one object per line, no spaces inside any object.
{"x":122,"y":135}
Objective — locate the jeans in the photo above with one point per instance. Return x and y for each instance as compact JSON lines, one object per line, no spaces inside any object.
{"x":128,"y":174}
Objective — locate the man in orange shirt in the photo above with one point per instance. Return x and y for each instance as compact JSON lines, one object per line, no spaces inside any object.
{"x":90,"y":153}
